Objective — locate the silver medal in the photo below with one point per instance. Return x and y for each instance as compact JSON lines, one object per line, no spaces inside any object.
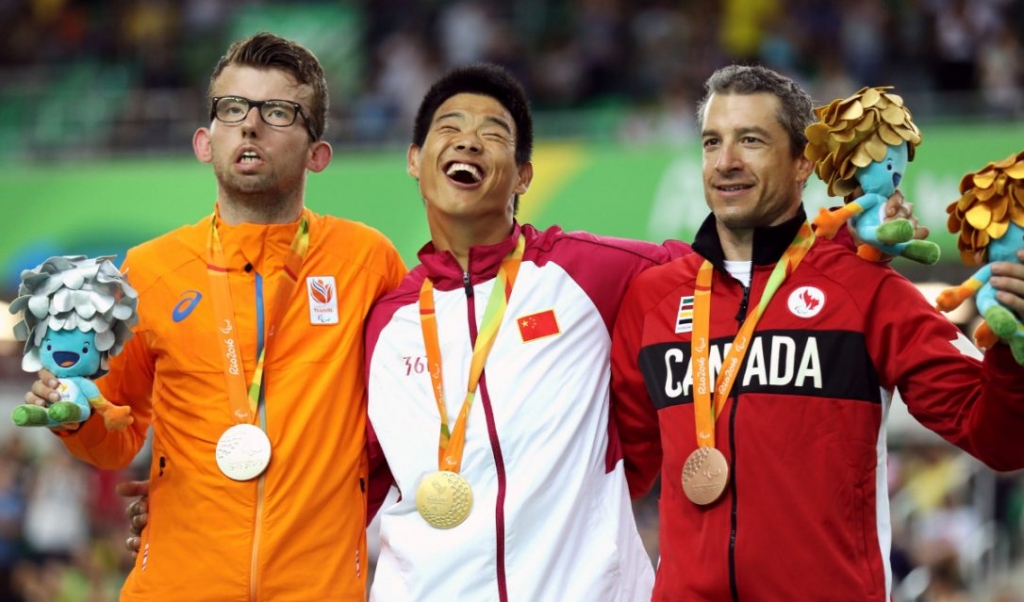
{"x":243,"y":452}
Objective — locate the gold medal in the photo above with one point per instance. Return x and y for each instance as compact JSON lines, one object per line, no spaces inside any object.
{"x":705,"y":475}
{"x":444,"y":499}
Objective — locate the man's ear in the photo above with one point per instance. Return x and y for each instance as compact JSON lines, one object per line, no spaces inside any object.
{"x":319,"y":156}
{"x":525,"y":177}
{"x":202,"y":146}
{"x":413,"y":157}
{"x":804,"y":168}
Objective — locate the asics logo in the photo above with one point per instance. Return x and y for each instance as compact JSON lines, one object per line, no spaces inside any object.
{"x":189,"y":301}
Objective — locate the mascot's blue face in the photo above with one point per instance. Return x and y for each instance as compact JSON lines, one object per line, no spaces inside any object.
{"x":1005,"y":247}
{"x":882,"y":177}
{"x":70,"y":353}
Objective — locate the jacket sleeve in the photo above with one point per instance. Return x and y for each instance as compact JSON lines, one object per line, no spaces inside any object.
{"x":631,"y":408}
{"x":395,"y":270}
{"x":129,"y":382}
{"x":976,"y":405}
{"x":380,"y":475}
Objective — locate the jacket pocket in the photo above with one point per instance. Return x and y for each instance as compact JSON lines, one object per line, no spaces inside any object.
{"x":867,"y":536}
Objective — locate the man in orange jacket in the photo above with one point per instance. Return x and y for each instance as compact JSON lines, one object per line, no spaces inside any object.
{"x":250,"y":338}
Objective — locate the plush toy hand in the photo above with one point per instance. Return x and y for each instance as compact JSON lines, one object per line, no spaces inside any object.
{"x":829,"y":222}
{"x":869,"y":253}
{"x":984,"y":338}
{"x":951,"y":298}
{"x":896,"y":207}
{"x":115,"y":418}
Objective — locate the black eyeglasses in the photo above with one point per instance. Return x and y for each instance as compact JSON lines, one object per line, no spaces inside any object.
{"x":278,"y":113}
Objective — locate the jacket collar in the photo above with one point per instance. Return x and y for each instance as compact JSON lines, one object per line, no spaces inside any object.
{"x":770,"y":242}
{"x":484,"y":262}
{"x":262,"y":247}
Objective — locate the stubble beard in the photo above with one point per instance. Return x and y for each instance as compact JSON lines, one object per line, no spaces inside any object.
{"x":733,"y":221}
{"x":734,"y":217}
{"x":259,"y":194}
{"x":763,"y":213}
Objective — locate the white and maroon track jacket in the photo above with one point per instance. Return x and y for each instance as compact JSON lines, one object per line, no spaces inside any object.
{"x":805,"y":516}
{"x":551,"y":516}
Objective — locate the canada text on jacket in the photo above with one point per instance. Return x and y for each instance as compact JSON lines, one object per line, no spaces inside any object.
{"x":830,"y":364}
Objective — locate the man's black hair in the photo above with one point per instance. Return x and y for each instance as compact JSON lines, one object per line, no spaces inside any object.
{"x":488,"y":80}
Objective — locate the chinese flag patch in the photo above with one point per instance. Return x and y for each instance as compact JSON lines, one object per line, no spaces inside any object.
{"x":538,"y":325}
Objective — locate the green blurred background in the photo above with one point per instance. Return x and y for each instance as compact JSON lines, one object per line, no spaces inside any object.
{"x":647,"y":192}
{"x":98,"y":102}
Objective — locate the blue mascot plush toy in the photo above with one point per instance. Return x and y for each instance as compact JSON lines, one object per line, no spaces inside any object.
{"x":77,"y":313}
{"x":866,"y":141}
{"x":989,"y":217}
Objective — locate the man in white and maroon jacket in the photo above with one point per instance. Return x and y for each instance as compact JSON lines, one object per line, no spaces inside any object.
{"x":551,"y":517}
{"x":804,"y":514}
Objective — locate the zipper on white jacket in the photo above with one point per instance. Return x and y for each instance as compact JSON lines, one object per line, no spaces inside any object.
{"x":501,"y":583}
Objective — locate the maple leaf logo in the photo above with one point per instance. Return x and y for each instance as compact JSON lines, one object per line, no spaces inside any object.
{"x":322,"y":292}
{"x":806,"y":302}
{"x":809,"y":301}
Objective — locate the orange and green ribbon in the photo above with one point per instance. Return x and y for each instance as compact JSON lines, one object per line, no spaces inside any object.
{"x":452,"y":442}
{"x":705,"y":409}
{"x":243,"y":406}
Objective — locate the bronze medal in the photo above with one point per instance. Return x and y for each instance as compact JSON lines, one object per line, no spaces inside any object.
{"x":444,"y":499}
{"x":705,"y":475}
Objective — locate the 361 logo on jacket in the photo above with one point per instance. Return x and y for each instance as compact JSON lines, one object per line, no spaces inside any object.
{"x":323,"y":300}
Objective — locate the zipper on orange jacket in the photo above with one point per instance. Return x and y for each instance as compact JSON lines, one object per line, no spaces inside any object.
{"x":262,"y":414}
{"x":253,"y":572}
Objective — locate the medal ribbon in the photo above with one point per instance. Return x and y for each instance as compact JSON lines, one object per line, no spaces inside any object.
{"x":706,"y":411}
{"x":243,"y":407}
{"x":452,"y":443}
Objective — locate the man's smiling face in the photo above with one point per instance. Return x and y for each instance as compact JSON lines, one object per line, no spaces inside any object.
{"x":466,"y":166}
{"x":751,"y":176}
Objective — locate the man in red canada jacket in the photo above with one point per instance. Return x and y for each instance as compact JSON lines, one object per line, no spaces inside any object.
{"x":762,"y":394}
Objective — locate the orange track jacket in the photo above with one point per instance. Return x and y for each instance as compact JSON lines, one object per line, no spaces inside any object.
{"x":298,"y":531}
